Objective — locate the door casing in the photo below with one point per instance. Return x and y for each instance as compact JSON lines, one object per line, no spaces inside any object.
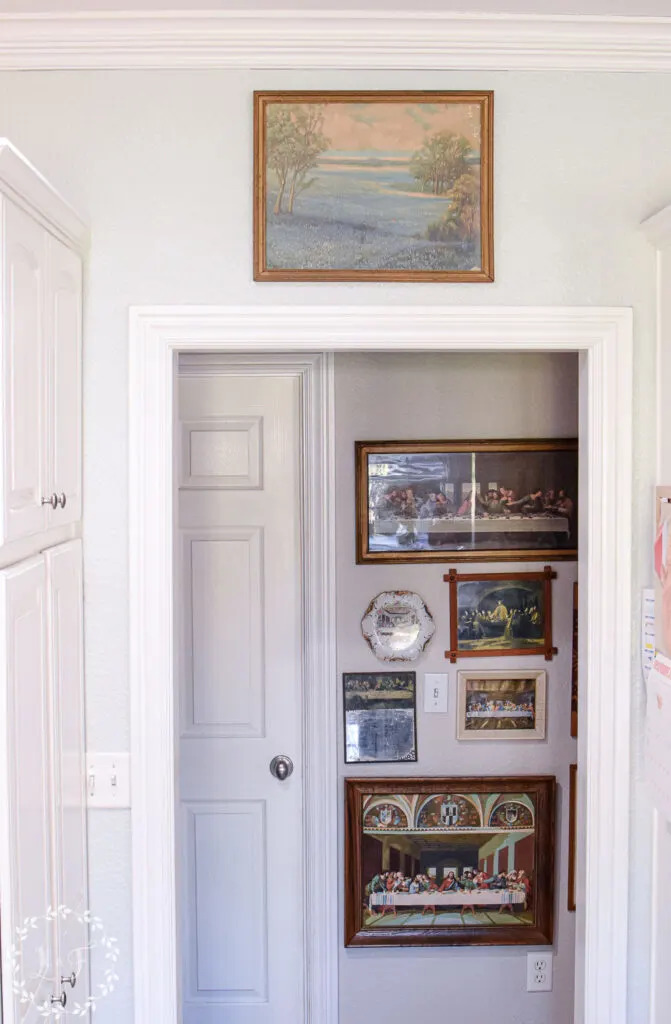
{"x":603,"y":339}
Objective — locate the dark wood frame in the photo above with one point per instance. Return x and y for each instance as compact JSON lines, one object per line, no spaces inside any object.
{"x":543,"y":787}
{"x":574,"y":666}
{"x":572,"y":835}
{"x":454,"y":578}
{"x":486,"y":101}
{"x":365,"y":448}
{"x":390,"y":672}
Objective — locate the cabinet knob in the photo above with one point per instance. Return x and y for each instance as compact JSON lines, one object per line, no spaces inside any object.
{"x":61,"y":499}
{"x":53,"y":500}
{"x":71,"y":981}
{"x":61,"y":1000}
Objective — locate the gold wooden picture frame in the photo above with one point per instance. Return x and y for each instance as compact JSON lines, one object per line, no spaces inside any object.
{"x":467,"y":501}
{"x":373,"y":186}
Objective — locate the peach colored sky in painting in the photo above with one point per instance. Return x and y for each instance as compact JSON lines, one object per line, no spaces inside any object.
{"x":396,"y":126}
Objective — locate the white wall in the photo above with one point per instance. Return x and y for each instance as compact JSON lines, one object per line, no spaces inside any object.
{"x":161,"y":164}
{"x":455,"y":396}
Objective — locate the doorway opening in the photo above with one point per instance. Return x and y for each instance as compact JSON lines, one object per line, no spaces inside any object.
{"x":603,"y":344}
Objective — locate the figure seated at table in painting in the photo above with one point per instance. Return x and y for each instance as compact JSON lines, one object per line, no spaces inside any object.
{"x":436,"y":505}
{"x":471,"y":882}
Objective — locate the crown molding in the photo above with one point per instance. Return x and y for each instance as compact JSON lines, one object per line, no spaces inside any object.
{"x":333,"y":39}
{"x":657,"y":228}
{"x":24,"y":185}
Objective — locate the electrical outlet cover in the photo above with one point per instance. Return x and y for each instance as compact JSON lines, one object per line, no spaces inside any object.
{"x":539,"y":972}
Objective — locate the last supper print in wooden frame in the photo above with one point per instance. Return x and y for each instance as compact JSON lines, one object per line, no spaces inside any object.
{"x":449,"y":861}
{"x":467,"y":501}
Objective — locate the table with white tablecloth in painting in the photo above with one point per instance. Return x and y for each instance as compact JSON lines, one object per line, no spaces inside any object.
{"x":390,"y":902}
{"x":467,"y":524}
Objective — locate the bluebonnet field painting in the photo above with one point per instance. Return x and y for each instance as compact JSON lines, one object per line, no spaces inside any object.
{"x":373,"y":185}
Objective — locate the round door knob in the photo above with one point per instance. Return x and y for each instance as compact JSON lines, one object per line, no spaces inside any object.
{"x":281,"y":767}
{"x":71,"y":981}
{"x":61,"y":1000}
{"x":53,"y":500}
{"x":62,"y":499}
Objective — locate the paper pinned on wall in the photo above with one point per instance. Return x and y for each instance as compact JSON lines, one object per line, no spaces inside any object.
{"x":662,"y":562}
{"x":658,"y":734}
{"x":647,"y":630}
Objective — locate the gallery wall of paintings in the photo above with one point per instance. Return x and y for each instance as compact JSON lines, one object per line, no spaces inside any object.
{"x":436,"y":879}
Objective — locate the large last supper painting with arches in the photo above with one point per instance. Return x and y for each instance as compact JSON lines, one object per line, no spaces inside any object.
{"x":455,"y":861}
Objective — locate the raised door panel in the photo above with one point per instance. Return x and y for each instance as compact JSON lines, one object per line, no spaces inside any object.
{"x":66,"y":663}
{"x":226,"y":941}
{"x":23,"y":390}
{"x":25,"y":806}
{"x":224,"y":635}
{"x":64,"y":333}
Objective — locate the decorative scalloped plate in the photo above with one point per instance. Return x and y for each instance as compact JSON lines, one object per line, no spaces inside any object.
{"x":397,"y":625}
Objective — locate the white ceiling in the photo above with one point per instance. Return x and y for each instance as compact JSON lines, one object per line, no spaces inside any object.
{"x":640,"y":8}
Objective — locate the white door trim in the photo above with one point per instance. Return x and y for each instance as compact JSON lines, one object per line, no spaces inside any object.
{"x":604,"y":339}
{"x":333,"y":39}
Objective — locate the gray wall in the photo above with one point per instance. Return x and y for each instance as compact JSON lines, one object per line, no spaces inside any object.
{"x":415,"y":396}
{"x":161,"y":165}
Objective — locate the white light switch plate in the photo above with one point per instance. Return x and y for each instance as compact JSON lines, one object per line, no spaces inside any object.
{"x":108,"y":780}
{"x":435,"y":692}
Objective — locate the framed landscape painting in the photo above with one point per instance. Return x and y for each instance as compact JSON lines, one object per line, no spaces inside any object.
{"x":484,"y":501}
{"x":501,"y":705}
{"x":373,"y":186}
{"x":380,"y":717}
{"x":449,"y":861}
{"x":500,"y":614}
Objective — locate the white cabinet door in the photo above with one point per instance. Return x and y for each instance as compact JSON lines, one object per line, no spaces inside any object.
{"x":64,"y":334}
{"x":66,"y":670}
{"x":25,"y":797}
{"x":240,"y":597}
{"x":23,"y":386}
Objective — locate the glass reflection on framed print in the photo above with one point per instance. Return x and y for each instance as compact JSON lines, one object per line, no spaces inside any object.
{"x":380,"y":717}
{"x":467,"y":501}
{"x":501,"y":705}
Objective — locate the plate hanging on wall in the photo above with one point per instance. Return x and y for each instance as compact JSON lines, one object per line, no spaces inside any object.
{"x":397,"y":625}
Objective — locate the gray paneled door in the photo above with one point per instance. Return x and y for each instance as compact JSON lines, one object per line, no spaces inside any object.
{"x":240,"y":679}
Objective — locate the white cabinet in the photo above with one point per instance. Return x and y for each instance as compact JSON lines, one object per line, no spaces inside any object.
{"x":68,"y":738}
{"x":43,"y":860}
{"x":64,"y":381}
{"x":41,"y":240}
{"x":24,"y":421}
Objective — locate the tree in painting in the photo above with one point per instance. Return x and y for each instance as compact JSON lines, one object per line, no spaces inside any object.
{"x":294,"y":140}
{"x":441,"y":167}
{"x":440,"y":162}
{"x":462,"y":220}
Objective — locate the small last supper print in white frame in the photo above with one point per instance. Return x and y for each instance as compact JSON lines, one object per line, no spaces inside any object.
{"x":501,"y":705}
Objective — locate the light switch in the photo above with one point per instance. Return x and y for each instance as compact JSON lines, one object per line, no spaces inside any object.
{"x":108,"y":780}
{"x":435,"y":692}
